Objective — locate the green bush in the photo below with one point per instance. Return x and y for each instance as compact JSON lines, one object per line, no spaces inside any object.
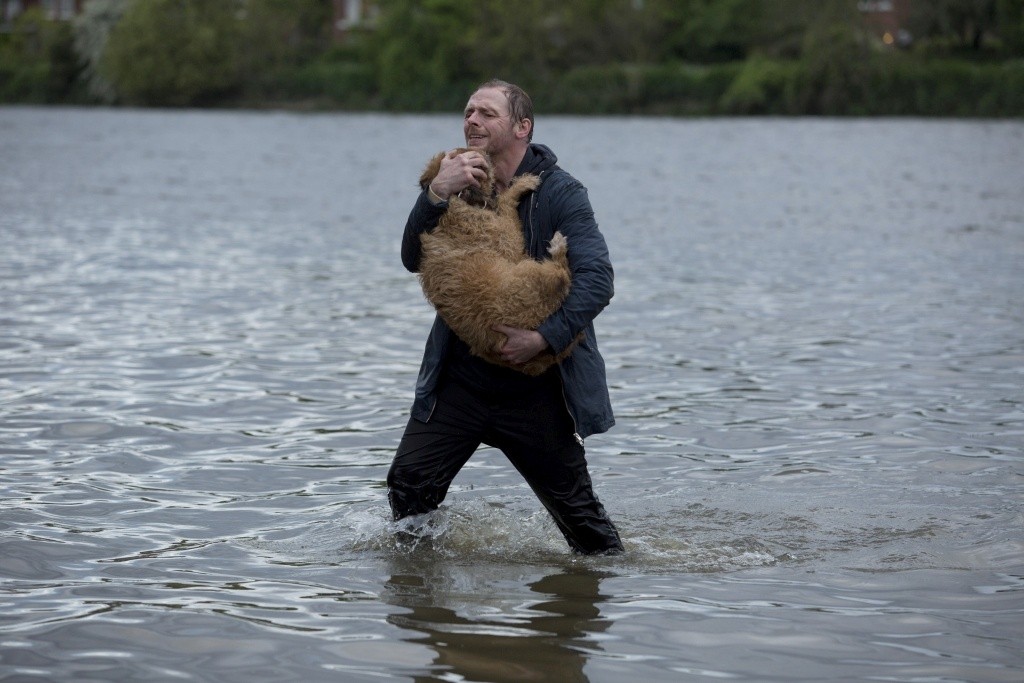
{"x":423,"y":54}
{"x":897,"y":87}
{"x":427,"y":55}
{"x":343,"y":82}
{"x":174,"y":52}
{"x":679,"y":89}
{"x":348,"y":85}
{"x":835,"y":67}
{"x":660,"y":89}
{"x":1011,"y":91}
{"x":1010,"y":14}
{"x":23,"y":82}
{"x":909,"y":86}
{"x":590,"y":90}
{"x":761,"y":87}
{"x":38,"y":62}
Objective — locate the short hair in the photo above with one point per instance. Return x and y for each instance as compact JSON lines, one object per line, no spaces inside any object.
{"x":520,"y":106}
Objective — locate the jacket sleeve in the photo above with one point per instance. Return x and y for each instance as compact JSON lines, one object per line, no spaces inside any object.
{"x":423,"y":218}
{"x":592,"y":275}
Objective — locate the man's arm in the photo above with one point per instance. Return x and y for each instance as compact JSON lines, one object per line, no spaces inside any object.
{"x":456,"y":173}
{"x":592,"y":274}
{"x":423,"y":218}
{"x":592,"y":281}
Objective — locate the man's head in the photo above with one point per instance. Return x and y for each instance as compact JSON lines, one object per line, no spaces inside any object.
{"x":498,"y":116}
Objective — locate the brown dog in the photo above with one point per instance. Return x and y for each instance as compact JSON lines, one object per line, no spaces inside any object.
{"x":477,"y":274}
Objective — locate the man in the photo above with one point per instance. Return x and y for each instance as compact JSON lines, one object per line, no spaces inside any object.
{"x":461,"y":400}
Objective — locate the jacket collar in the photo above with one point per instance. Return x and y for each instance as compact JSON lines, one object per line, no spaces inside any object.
{"x":538,"y":158}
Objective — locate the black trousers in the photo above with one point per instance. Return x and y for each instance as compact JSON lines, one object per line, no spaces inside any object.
{"x":534,"y":431}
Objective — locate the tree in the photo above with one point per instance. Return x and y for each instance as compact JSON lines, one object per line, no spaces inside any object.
{"x":715,"y":30}
{"x":37,"y":60}
{"x":522,"y":42}
{"x":835,"y":61}
{"x":964,"y":21}
{"x":91,"y":30}
{"x":423,"y":49}
{"x":174,"y":52}
{"x":1010,"y":16}
{"x":283,"y":32}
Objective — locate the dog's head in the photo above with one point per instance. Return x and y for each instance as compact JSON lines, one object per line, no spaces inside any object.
{"x":482,"y":196}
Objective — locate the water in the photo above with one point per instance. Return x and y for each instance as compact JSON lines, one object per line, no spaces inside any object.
{"x":207,"y":353}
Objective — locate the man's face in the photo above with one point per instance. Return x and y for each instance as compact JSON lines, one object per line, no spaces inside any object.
{"x":487,"y":125}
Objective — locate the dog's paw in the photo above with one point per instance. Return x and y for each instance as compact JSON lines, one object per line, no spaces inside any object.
{"x":559,"y":245}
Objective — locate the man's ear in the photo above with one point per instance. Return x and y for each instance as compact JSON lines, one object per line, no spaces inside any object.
{"x":522,"y":129}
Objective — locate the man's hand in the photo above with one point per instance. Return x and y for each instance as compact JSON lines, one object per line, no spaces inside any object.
{"x":521,"y":345}
{"x":457,"y":172}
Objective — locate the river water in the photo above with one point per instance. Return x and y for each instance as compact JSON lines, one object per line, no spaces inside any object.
{"x":207,"y":352}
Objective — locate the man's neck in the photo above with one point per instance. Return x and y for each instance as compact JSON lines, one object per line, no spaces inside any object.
{"x":505,"y":166}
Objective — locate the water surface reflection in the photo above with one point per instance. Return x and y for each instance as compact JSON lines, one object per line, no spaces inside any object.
{"x":549,"y":636}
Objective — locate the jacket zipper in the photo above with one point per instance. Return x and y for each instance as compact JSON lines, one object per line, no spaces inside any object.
{"x":529,"y":218}
{"x":575,"y":429}
{"x":532,"y":233}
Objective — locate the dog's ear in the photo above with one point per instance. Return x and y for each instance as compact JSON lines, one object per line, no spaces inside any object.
{"x":430,"y":172}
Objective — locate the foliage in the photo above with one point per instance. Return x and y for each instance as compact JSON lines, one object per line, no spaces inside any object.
{"x":91,"y":30}
{"x":275,"y":33}
{"x":945,"y":88}
{"x":174,"y":52}
{"x":675,"y":57}
{"x":320,"y":84}
{"x":37,"y":61}
{"x":763,"y":86}
{"x":1010,"y":19}
{"x":835,"y":63}
{"x":965,"y":21}
{"x":422,"y":49}
{"x":683,"y":88}
{"x":713,"y":30}
{"x":662,"y":89}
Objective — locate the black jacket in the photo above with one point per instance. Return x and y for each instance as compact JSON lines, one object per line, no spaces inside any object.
{"x":560,"y":204}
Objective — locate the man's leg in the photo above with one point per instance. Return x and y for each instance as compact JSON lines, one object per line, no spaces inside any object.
{"x":432,"y":453}
{"x":536,"y":434}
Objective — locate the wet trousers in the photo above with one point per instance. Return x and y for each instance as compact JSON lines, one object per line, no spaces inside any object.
{"x":534,"y":431}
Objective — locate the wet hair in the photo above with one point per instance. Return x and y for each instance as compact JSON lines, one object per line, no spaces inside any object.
{"x":520,"y":106}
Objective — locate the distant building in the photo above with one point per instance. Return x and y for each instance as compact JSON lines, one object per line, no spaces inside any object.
{"x":346,"y":15}
{"x":888,"y":19}
{"x":62,"y":10}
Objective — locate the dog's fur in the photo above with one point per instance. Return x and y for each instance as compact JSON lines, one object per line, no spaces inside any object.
{"x":477,"y":274}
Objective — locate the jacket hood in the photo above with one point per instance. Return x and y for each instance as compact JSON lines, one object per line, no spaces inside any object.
{"x":539,"y":158}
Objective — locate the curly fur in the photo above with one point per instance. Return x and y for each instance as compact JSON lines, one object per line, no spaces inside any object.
{"x":477,"y":274}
